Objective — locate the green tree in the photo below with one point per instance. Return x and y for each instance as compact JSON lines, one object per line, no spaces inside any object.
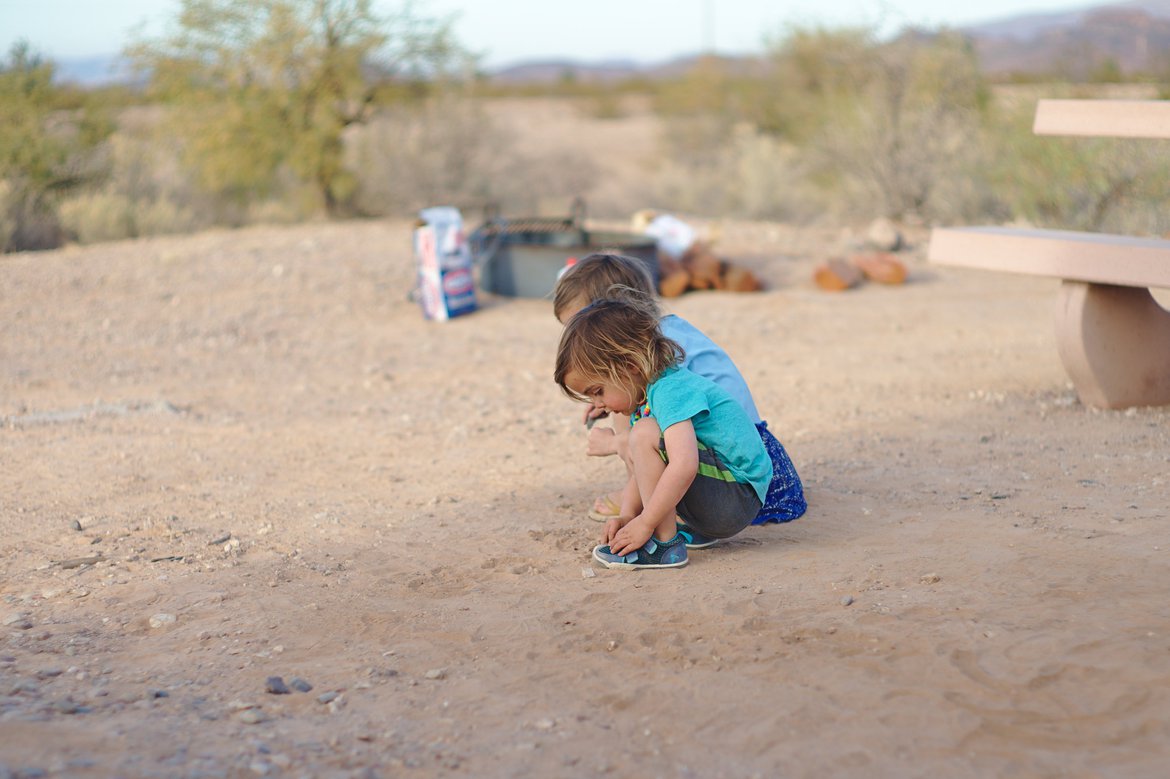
{"x":263,"y":90}
{"x":47,"y":140}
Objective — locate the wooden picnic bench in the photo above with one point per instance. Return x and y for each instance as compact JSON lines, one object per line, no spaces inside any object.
{"x":1112,"y":335}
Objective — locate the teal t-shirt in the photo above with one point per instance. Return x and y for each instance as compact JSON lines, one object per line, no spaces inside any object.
{"x":721,"y":424}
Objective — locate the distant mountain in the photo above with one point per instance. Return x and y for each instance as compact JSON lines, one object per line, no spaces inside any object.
{"x":1134,"y":36}
{"x":551,"y":71}
{"x":93,"y":71}
{"x":1028,"y":26}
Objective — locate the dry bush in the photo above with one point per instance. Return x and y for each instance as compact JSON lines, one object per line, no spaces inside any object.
{"x":28,"y":219}
{"x":7,"y":218}
{"x":839,"y":125}
{"x":448,"y":151}
{"x":98,"y":216}
{"x":145,"y":192}
{"x":741,"y":172}
{"x":1098,"y":184}
{"x":910,"y":126}
{"x":606,"y":104}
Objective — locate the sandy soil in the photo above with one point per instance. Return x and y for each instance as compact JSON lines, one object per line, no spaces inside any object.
{"x":240,"y":455}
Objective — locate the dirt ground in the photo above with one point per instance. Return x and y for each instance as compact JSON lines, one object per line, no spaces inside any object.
{"x":242,"y":455}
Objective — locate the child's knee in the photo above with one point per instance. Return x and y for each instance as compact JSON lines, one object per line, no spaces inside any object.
{"x":644,"y":435}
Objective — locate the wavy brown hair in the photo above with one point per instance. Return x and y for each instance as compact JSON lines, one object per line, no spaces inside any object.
{"x":617,"y":341}
{"x":603,"y":275}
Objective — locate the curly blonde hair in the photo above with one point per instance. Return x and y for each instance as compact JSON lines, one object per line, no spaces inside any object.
{"x":617,"y":341}
{"x":604,"y":275}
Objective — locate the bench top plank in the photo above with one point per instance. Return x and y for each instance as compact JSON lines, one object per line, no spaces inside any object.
{"x":1099,"y":258}
{"x":1103,"y":118}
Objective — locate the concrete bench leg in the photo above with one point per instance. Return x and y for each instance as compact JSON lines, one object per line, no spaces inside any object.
{"x":1115,"y":344}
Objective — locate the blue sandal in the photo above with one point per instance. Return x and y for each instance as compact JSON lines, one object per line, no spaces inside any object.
{"x":654,"y":554}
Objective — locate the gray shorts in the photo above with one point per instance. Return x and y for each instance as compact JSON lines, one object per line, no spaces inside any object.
{"x":715,"y":505}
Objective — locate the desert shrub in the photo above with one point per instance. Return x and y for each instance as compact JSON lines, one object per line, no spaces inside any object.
{"x":7,"y":220}
{"x":748,"y":173}
{"x":1098,"y":184}
{"x":47,"y":138}
{"x":896,"y":120}
{"x":98,"y":216}
{"x":29,"y":220}
{"x":839,"y":123}
{"x":606,"y":104}
{"x":448,"y":151}
{"x":145,"y":192}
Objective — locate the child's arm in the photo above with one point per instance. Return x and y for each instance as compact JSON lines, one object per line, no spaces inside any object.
{"x":682,"y":453}
{"x":601,"y":442}
{"x":604,"y":441}
{"x":631,"y":506}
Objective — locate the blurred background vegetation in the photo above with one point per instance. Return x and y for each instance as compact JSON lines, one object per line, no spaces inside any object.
{"x":290,"y":110}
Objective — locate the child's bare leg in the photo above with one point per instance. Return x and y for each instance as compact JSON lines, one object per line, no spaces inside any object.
{"x":631,"y":506}
{"x":621,"y":437}
{"x":615,"y":441}
{"x":648,"y":467}
{"x":631,"y":502}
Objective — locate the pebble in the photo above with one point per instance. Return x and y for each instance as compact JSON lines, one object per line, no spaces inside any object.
{"x":252,"y":716}
{"x":163,"y":620}
{"x":75,"y":524}
{"x":19,"y":621}
{"x":327,"y":697}
{"x":260,"y":767}
{"x":299,"y":684}
{"x":436,"y":673}
{"x":846,"y":600}
{"x":276,"y":686}
{"x":929,"y":578}
{"x":544,"y":724}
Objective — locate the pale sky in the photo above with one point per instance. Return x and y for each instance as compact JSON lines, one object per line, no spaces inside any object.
{"x":507,"y":31}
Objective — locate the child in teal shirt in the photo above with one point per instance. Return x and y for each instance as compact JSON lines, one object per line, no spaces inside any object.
{"x":692,"y":448}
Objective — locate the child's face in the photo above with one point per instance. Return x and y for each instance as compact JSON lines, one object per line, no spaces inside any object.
{"x":602,"y":393}
{"x":571,"y":309}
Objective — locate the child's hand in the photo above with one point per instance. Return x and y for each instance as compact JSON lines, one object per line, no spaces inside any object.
{"x":592,"y":414}
{"x":601,"y":442}
{"x":631,"y":537}
{"x":612,"y":526}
